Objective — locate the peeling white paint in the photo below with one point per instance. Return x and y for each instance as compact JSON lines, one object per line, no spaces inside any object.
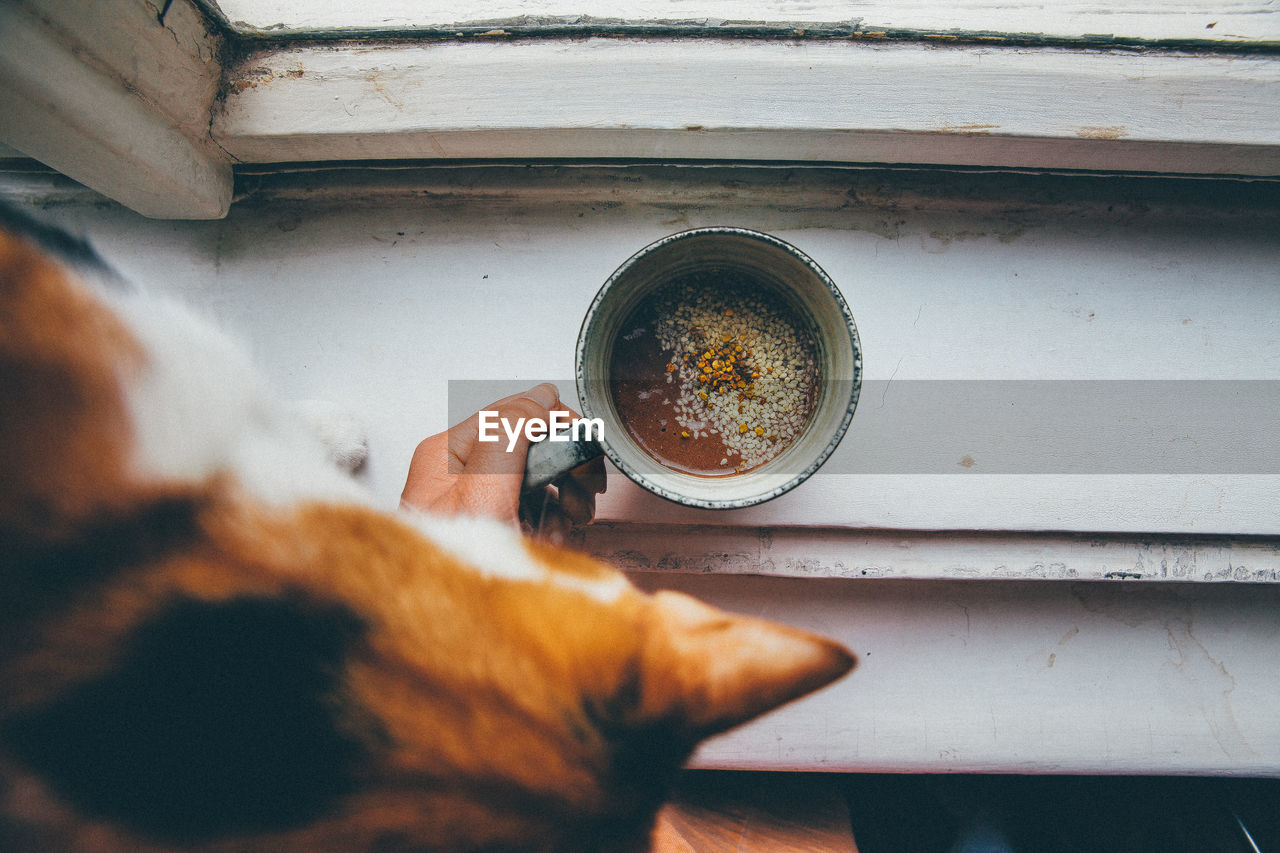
{"x":835,"y":553}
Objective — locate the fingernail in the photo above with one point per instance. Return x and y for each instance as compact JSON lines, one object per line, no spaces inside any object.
{"x":544,"y":395}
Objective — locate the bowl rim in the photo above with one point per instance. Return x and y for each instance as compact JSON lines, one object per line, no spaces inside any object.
{"x":855,"y":381}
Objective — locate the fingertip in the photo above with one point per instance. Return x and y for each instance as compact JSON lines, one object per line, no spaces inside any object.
{"x":545,"y":395}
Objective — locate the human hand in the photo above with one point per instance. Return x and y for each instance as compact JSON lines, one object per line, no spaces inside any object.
{"x":453,"y":472}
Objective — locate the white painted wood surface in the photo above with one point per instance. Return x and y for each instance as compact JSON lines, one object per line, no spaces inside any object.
{"x":108,"y":95}
{"x":807,"y":552}
{"x":757,"y":100}
{"x":1229,"y":21}
{"x":1019,"y":677}
{"x":379,"y":293}
{"x":122,"y":101}
{"x":374,"y":289}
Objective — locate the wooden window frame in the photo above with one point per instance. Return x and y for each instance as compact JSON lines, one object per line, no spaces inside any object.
{"x":154,"y":104}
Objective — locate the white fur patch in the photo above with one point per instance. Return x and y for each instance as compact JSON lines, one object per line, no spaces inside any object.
{"x":340,"y":433}
{"x":487,"y":545}
{"x":495,"y":550}
{"x":605,"y":590}
{"x":200,"y":409}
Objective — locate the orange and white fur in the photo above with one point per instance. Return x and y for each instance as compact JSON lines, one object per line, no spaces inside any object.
{"x":211,"y":638}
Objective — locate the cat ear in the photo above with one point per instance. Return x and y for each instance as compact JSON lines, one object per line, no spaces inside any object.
{"x":713,"y":670}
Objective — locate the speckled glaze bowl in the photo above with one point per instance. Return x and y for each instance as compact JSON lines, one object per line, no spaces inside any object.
{"x":772,"y":263}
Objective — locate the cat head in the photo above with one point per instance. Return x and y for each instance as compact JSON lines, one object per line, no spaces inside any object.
{"x":195,"y":654}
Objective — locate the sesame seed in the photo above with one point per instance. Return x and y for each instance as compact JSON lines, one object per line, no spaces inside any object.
{"x":743,"y":366}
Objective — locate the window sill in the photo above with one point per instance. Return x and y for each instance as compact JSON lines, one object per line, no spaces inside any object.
{"x":155,"y":110}
{"x":835,"y":102}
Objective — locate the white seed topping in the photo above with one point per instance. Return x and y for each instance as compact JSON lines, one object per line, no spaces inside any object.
{"x":743,"y":367}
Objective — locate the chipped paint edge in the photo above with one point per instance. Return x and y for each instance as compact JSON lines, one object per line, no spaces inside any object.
{"x":798,"y":552}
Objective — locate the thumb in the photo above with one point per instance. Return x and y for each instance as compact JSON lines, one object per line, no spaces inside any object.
{"x":507,"y":454}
